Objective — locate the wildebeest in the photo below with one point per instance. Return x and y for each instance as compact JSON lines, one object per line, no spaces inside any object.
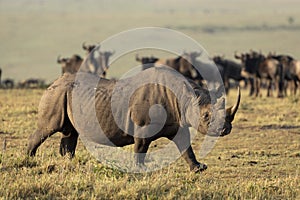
{"x":184,"y":64}
{"x":291,"y":71}
{"x":261,"y":67}
{"x":70,"y":65}
{"x":6,"y":83}
{"x":295,"y":70}
{"x":146,"y":62}
{"x":56,"y":113}
{"x":97,"y":61}
{"x":31,"y":83}
{"x":229,"y":70}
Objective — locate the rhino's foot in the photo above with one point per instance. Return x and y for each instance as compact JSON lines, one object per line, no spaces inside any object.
{"x":140,"y":167}
{"x":31,"y":151}
{"x":68,"y":145}
{"x":64,"y":150}
{"x":199,"y":168}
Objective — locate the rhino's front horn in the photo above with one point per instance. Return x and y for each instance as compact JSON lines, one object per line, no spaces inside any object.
{"x":230,"y":112}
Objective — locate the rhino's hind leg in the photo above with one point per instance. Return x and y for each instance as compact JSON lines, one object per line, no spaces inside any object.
{"x":68,"y":144}
{"x":141,"y":146}
{"x":36,"y":139}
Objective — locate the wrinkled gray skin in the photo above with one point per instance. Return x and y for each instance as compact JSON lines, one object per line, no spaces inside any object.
{"x":55,"y":115}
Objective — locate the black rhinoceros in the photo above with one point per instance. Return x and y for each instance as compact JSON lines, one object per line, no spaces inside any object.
{"x":184,"y":103}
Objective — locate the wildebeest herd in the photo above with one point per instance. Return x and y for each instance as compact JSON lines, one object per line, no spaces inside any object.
{"x":282,"y":71}
{"x":279,"y":71}
{"x":272,"y":71}
{"x":9,"y":83}
{"x":56,"y":111}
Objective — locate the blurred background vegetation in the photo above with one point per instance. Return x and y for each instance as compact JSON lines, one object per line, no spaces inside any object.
{"x":34,"y":32}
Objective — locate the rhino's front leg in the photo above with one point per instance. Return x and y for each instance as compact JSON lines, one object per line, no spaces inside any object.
{"x":190,"y":158}
{"x":141,"y":146}
{"x":68,"y":144}
{"x":183,"y":143}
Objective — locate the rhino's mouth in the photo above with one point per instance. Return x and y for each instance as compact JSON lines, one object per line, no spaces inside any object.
{"x":219,"y":132}
{"x":214,"y":134}
{"x":225,"y":131}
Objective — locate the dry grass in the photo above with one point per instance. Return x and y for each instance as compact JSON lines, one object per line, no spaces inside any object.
{"x":260,"y":159}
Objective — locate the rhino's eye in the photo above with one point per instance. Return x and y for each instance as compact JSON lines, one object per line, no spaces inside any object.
{"x":206,"y":116}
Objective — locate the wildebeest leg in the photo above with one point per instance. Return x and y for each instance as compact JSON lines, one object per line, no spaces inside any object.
{"x":36,"y":139}
{"x":284,"y":88}
{"x":141,"y":146}
{"x":257,"y":87}
{"x":183,"y":143}
{"x":270,"y":93}
{"x":245,"y":82}
{"x":295,"y":86}
{"x":251,"y":80}
{"x":226,"y":84}
{"x":68,"y":144}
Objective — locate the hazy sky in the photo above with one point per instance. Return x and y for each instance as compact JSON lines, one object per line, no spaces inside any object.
{"x":34,"y":32}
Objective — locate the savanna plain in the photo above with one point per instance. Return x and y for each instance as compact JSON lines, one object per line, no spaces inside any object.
{"x":260,"y":159}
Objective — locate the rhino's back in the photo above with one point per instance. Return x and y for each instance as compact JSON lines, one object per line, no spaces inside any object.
{"x":124,"y":105}
{"x":52,"y":107}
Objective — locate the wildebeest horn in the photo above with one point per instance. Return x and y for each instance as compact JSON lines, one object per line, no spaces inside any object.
{"x":58,"y":59}
{"x":137,"y":58}
{"x":236,"y":55}
{"x":232,"y":110}
{"x":84,"y":46}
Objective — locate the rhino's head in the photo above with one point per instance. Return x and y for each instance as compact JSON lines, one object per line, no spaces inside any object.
{"x":212,"y":117}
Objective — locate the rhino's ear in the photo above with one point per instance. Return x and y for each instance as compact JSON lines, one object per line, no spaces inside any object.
{"x":187,"y":88}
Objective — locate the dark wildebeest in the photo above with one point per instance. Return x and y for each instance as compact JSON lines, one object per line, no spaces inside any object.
{"x":184,"y":64}
{"x":295,"y":70}
{"x":70,"y":65}
{"x":56,"y":113}
{"x":8,"y":83}
{"x":31,"y":83}
{"x":261,"y":67}
{"x":146,"y":62}
{"x":229,"y":70}
{"x":98,"y":61}
{"x":291,"y":72}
